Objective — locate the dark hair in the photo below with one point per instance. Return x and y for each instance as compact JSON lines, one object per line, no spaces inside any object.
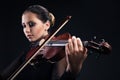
{"x":42,"y":13}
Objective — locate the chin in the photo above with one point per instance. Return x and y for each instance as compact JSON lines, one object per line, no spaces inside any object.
{"x":31,"y":40}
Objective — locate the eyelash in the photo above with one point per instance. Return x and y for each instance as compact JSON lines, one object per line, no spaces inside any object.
{"x":31,"y":24}
{"x":24,"y":25}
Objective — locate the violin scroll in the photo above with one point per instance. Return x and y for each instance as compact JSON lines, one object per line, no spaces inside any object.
{"x":101,"y":48}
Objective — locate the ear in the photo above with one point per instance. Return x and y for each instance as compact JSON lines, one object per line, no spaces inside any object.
{"x":47,"y":25}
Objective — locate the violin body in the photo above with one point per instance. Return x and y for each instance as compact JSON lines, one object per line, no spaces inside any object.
{"x":51,"y":53}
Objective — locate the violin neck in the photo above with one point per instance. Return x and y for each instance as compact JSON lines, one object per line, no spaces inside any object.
{"x":57,"y":43}
{"x":62,"y":43}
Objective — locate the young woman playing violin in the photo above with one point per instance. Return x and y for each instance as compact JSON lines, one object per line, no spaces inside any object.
{"x":46,"y":65}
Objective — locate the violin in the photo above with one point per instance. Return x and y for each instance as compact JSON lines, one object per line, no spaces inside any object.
{"x":58,"y":44}
{"x":92,"y":46}
{"x":55,"y":49}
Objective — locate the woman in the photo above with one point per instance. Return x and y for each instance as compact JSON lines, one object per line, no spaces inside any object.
{"x":36,"y":22}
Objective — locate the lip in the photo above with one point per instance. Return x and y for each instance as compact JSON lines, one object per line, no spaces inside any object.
{"x":29,"y":36}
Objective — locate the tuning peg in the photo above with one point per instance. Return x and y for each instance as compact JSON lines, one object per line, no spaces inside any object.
{"x":102,"y":40}
{"x":94,"y":38}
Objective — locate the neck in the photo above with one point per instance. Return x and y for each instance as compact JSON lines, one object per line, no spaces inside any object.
{"x":37,"y":42}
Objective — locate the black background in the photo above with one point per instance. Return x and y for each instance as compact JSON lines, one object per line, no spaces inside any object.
{"x":90,"y":18}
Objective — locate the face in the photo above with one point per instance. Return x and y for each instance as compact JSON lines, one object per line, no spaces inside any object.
{"x":33,"y":28}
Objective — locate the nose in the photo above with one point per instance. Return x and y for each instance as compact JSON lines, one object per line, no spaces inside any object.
{"x":27,"y":29}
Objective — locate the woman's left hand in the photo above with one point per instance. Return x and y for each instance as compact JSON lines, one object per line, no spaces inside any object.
{"x":76,"y":53}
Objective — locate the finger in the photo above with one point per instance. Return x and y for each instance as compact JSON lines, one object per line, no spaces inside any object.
{"x":70,"y":45}
{"x":67,"y":50}
{"x":85,"y":52}
{"x":75,"y":45}
{"x":80,"y":44}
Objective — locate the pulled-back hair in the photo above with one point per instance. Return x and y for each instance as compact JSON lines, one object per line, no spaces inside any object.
{"x":42,"y":13}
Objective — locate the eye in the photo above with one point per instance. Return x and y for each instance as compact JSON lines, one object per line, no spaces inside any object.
{"x":23,"y":25}
{"x":31,"y":24}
